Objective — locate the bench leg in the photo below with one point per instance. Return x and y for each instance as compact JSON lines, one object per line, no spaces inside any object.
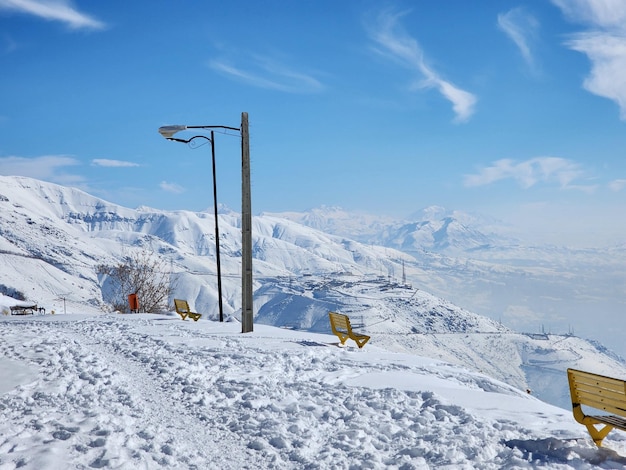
{"x":598,"y":434}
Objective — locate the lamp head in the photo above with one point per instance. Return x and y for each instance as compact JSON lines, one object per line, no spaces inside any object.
{"x":169,"y":131}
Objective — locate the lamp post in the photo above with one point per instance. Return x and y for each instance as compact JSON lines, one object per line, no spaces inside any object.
{"x":246,"y":213}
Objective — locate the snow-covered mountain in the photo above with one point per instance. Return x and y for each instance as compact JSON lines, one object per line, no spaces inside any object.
{"x":432,"y":229}
{"x":53,"y":237}
{"x":481,"y":264}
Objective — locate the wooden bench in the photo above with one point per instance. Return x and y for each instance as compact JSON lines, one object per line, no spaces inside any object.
{"x":340,"y":324}
{"x":602,"y":393}
{"x":182,"y":308}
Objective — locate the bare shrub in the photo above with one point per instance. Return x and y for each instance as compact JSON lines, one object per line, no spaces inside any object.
{"x":142,"y":273}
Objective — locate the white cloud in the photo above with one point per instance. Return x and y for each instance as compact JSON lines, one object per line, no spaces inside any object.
{"x":617,"y":185}
{"x":43,"y":168}
{"x":395,"y":44}
{"x":530,"y":172}
{"x":171,"y":187}
{"x":53,"y":10}
{"x":606,"y":14}
{"x":607,"y":53}
{"x":521,"y":28}
{"x":266,"y":73}
{"x":112,"y":163}
{"x":604,"y":44}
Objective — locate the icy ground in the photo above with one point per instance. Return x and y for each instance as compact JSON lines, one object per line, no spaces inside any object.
{"x":152,"y":391}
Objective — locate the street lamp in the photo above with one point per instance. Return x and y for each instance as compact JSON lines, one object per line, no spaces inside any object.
{"x":246,"y":213}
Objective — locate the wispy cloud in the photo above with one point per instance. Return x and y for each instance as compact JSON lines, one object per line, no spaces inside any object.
{"x":521,"y":27}
{"x":53,"y":10}
{"x":617,"y":185}
{"x":171,"y":187}
{"x":266,"y":73}
{"x":606,"y":14}
{"x":528,"y":173}
{"x":604,"y":43}
{"x":112,"y":163}
{"x":394,"y":43}
{"x":47,"y":167}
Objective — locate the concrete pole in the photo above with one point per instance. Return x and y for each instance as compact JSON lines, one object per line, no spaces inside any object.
{"x":246,"y":230}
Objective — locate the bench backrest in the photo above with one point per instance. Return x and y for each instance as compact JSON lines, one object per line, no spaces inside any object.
{"x":339,"y":321}
{"x":181,"y":305}
{"x":597,"y":391}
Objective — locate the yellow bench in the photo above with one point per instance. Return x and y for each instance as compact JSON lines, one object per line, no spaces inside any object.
{"x":340,"y":324}
{"x":602,"y":393}
{"x":182,"y":308}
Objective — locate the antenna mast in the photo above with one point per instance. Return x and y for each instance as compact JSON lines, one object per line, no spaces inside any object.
{"x":403,"y":274}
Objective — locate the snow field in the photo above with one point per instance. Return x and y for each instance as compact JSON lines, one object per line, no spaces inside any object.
{"x":147,"y":391}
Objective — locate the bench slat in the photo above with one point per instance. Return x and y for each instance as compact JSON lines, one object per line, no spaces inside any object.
{"x":615,"y":388}
{"x":586,"y":378}
{"x":612,"y":420}
{"x":340,"y":322}
{"x":617,"y":409}
{"x":601,"y":396}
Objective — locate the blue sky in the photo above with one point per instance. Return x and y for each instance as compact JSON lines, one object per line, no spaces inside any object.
{"x":515,"y":109}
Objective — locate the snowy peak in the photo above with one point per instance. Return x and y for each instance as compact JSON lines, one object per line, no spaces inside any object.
{"x":337,"y":221}
{"x":51,"y":200}
{"x":443,"y":235}
{"x":433,"y":229}
{"x":430,"y":213}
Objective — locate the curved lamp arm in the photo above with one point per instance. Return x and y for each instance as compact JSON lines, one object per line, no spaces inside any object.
{"x":190,"y":141}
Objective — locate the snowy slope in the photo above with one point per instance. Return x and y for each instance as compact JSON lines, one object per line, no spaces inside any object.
{"x":478,"y":263}
{"x":401,"y":318}
{"x":53,"y":237}
{"x":149,"y":391}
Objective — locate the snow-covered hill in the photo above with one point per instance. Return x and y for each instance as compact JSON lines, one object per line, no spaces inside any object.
{"x":153,"y":392}
{"x":52,"y":238}
{"x":402,"y":318}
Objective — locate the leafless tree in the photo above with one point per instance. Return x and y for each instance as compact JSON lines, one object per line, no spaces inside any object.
{"x":142,"y":273}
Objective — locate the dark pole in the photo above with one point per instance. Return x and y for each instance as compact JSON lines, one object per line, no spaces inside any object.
{"x":217,"y":232}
